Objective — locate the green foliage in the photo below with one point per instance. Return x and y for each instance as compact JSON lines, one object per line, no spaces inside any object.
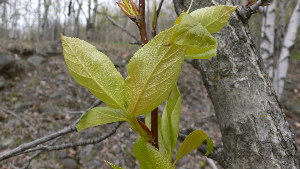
{"x":192,"y":141}
{"x":152,"y":75}
{"x":170,"y":121}
{"x":99,"y":116}
{"x":94,"y":70}
{"x":152,"y":71}
{"x":200,"y":43}
{"x":149,"y":157}
{"x":213,"y":18}
{"x":296,"y":55}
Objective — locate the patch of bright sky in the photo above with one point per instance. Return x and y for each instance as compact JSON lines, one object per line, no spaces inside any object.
{"x":26,"y":16}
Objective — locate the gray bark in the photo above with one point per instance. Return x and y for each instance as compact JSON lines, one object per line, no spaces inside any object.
{"x":254,"y":129}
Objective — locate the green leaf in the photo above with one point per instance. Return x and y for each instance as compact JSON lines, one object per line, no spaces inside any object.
{"x":170,"y":121}
{"x":213,"y":18}
{"x":152,"y":71}
{"x":94,"y":70}
{"x":149,"y":157}
{"x":99,"y":116}
{"x":148,"y":120}
{"x":113,"y":166}
{"x":161,"y":143}
{"x":192,"y":141}
{"x":199,"y":42}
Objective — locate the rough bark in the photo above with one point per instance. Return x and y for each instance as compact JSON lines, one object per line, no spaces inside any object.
{"x":288,"y":42}
{"x":254,"y":129}
{"x":268,"y":37}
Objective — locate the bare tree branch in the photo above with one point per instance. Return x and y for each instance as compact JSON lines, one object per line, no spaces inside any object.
{"x":212,"y":163}
{"x":123,"y":29}
{"x":36,"y":142}
{"x":69,"y":145}
{"x":18,"y":117}
{"x":38,"y":153}
{"x":26,"y":146}
{"x":159,"y":7}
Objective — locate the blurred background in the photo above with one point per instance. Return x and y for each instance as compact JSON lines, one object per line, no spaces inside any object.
{"x":39,"y":97}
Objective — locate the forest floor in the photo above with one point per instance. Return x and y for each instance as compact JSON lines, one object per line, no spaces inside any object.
{"x":48,"y":99}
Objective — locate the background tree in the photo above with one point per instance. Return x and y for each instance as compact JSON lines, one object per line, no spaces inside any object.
{"x":276,"y":47}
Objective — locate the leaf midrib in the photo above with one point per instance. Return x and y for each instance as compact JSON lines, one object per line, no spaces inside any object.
{"x":90,"y":74}
{"x":147,"y":81}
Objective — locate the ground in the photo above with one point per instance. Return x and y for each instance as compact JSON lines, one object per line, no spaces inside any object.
{"x":48,"y":99}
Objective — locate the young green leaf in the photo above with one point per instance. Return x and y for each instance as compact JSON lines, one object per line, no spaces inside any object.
{"x":199,"y":42}
{"x":94,"y":70}
{"x":161,"y":143}
{"x":170,"y":121}
{"x":149,"y":157}
{"x":148,"y":120}
{"x":213,"y":18}
{"x":99,"y":116}
{"x":112,"y":165}
{"x":152,"y":71}
{"x":192,"y":141}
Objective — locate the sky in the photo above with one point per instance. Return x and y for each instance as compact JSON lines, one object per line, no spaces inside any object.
{"x":26,"y":16}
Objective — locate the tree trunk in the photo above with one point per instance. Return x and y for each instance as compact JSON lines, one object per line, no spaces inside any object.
{"x":4,"y":19}
{"x":76,"y":22}
{"x":255,"y":133}
{"x":268,"y":37}
{"x":91,"y":19}
{"x":45,"y":20}
{"x":288,"y":42}
{"x":39,"y":21}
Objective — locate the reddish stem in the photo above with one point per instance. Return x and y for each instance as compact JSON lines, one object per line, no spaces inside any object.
{"x":154,"y":127}
{"x":140,"y":22}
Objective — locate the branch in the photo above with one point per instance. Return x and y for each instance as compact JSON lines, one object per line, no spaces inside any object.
{"x":26,"y":146}
{"x":18,"y":117}
{"x":154,"y":127}
{"x":80,"y":8}
{"x":140,"y":22}
{"x":69,"y":145}
{"x":38,"y":153}
{"x":159,"y":7}
{"x":34,"y":143}
{"x":123,"y":29}
{"x":246,"y":12}
{"x":70,"y":8}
